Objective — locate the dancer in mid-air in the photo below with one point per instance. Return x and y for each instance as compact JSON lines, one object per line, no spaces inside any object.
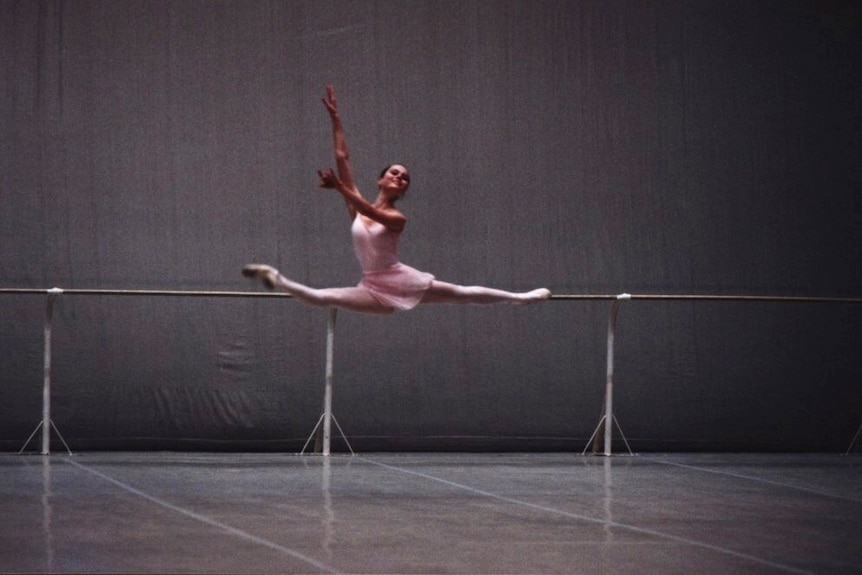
{"x":387,"y":284}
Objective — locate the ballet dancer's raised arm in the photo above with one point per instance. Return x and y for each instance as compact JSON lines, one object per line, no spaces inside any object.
{"x":342,"y":155}
{"x":383,"y":209}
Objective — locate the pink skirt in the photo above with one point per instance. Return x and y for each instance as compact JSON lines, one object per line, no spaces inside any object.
{"x":400,"y":286}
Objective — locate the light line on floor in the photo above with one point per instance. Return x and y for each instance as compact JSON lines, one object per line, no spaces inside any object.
{"x":811,"y":490}
{"x":587,"y":518}
{"x":207,"y":520}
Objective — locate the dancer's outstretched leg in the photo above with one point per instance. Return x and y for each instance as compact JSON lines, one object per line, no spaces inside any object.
{"x":443,"y":292}
{"x":352,"y":298}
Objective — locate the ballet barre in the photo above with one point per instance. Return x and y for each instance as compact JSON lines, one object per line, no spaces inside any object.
{"x":603,"y":431}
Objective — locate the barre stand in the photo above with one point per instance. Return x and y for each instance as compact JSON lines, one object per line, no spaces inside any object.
{"x":47,"y":423}
{"x":855,"y":439}
{"x":608,"y":419}
{"x":323,"y":429}
{"x":324,"y":433}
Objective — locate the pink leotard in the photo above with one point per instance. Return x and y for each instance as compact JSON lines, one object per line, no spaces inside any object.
{"x":391,"y":283}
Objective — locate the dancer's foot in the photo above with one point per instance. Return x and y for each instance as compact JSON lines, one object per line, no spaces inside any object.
{"x":535,"y":296}
{"x":263,"y":273}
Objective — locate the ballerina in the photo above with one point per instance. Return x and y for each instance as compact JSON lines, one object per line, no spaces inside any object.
{"x":387,"y":284}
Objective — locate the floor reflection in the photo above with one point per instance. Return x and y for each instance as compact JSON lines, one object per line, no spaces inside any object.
{"x":328,"y":516}
{"x":47,"y":513}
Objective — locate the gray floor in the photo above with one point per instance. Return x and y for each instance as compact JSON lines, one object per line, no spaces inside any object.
{"x":431,"y":513}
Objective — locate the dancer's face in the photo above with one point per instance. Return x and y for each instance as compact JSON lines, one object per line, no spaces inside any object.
{"x":395,"y":177}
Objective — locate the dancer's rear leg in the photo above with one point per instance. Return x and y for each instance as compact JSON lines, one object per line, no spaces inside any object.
{"x":352,"y":298}
{"x":443,"y":292}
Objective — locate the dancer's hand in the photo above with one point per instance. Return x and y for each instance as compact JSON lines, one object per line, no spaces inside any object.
{"x":330,"y":101}
{"x":329,"y":180}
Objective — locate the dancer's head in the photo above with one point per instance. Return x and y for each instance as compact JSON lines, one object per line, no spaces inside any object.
{"x":394,"y":177}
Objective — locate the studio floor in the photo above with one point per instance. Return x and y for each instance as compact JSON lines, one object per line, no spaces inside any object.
{"x":149,"y":512}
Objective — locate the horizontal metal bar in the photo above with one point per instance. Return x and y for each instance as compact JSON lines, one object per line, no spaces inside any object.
{"x":556,"y":297}
{"x":137,"y":292}
{"x":708,"y":297}
{"x":753,"y":298}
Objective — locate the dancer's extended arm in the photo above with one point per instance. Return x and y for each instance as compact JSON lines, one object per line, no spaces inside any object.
{"x":342,"y":156}
{"x":389,"y":217}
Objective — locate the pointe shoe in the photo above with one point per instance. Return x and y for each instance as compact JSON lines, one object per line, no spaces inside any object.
{"x":543,"y":293}
{"x":536,"y":295}
{"x":263,"y":273}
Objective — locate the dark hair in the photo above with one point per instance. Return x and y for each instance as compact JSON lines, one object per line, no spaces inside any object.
{"x":386,"y":169}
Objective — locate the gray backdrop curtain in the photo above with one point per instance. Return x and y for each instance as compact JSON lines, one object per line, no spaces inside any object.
{"x":707,"y":147}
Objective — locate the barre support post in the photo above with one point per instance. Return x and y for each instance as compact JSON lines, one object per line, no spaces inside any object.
{"x":46,"y":423}
{"x":607,"y":421}
{"x":609,"y":379}
{"x":326,"y":418}
{"x":327,"y":392}
{"x":46,"y":379}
